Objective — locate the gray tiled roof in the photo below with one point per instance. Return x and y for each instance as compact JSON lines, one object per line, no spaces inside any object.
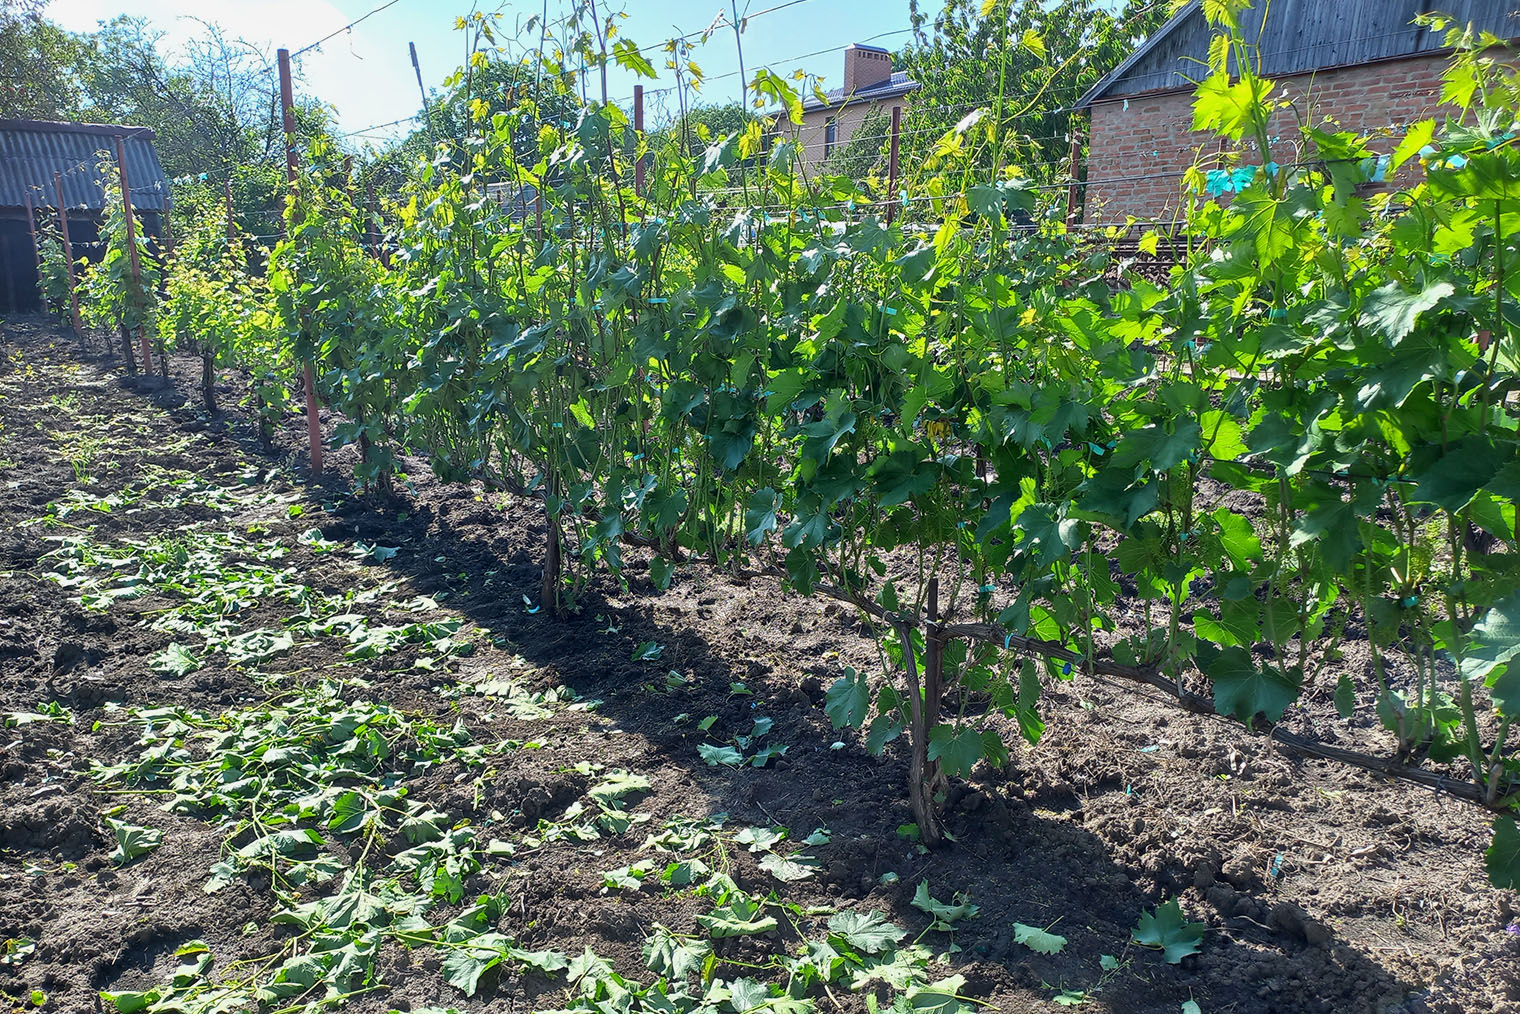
{"x":898,"y":84}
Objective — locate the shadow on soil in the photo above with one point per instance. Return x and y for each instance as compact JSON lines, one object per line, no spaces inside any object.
{"x":1022,"y":856}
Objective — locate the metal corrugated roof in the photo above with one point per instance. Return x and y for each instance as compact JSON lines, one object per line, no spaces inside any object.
{"x":32,"y":150}
{"x":1298,"y":36}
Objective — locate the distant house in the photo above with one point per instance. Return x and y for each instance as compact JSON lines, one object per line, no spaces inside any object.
{"x":1360,"y":63}
{"x":31,"y":152}
{"x":869,"y":84}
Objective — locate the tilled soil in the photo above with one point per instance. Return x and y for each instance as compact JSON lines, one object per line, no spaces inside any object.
{"x":1322,"y":888}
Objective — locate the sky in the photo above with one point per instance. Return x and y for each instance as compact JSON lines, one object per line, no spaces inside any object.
{"x":365,"y":72}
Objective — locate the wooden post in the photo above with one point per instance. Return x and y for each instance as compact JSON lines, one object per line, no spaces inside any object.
{"x":168,"y":227}
{"x":288,"y":105}
{"x":165,"y":252}
{"x":31,"y":225}
{"x":126,"y":209}
{"x":1071,"y":185}
{"x":638,"y":129}
{"x":68,"y":252}
{"x":374,"y":230}
{"x":892,"y":164}
{"x":227,"y":193}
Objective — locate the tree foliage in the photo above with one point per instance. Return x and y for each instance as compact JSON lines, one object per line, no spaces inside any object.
{"x":1025,"y":61}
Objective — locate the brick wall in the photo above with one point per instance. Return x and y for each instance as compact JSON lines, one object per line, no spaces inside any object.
{"x":1150,"y":135}
{"x":848,"y":119}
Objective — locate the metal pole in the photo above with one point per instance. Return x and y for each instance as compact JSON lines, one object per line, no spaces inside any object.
{"x":426,"y":112}
{"x":1071,"y":185}
{"x":68,"y":252}
{"x":126,"y":208}
{"x":638,"y":130}
{"x":372,"y":231}
{"x":892,"y":165}
{"x":288,"y":105}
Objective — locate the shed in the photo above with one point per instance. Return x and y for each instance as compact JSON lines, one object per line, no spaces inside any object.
{"x":31,"y":152}
{"x":1362,"y":63}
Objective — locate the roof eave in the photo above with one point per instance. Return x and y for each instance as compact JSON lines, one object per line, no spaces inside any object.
{"x":66,"y":127}
{"x":861,"y":98}
{"x":1107,"y":80}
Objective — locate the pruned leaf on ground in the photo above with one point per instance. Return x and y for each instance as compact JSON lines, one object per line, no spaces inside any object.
{"x":176,"y":660}
{"x":1167,"y":928}
{"x":869,"y":932}
{"x":715,"y":755}
{"x":259,"y":646}
{"x":789,"y":870}
{"x":740,"y":917}
{"x":133,"y":840}
{"x":1038,"y":940}
{"x":282,"y":843}
{"x":130,"y":1001}
{"x":628,"y":878}
{"x":674,"y":956}
{"x":17,"y":950}
{"x":612,"y":791}
{"x":944,"y":913}
{"x":941,"y":997}
{"x":760,"y":839}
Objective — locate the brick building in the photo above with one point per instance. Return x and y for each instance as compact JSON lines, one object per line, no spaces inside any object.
{"x":869,"y":84}
{"x":1358,"y":63}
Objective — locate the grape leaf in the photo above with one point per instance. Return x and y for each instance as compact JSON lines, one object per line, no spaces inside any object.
{"x":133,"y":840}
{"x":847,"y":700}
{"x":866,"y":931}
{"x":1038,"y":940}
{"x":1167,"y":928}
{"x":789,"y":870}
{"x":672,"y":956}
{"x":715,"y":755}
{"x":176,"y":660}
{"x":1503,"y":857}
{"x":740,"y":917}
{"x":944,"y":913}
{"x":1241,"y":688}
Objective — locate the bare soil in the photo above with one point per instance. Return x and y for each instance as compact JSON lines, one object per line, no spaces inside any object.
{"x":1323,"y":888}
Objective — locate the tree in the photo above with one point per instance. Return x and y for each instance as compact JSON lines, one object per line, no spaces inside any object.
{"x":214,"y":110}
{"x":1027,"y":61}
{"x":38,"y":62}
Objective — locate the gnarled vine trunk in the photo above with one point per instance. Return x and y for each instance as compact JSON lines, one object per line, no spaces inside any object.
{"x":127,"y":352}
{"x":208,"y":381}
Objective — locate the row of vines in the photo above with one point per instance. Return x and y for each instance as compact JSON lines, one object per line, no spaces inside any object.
{"x":962,"y":418}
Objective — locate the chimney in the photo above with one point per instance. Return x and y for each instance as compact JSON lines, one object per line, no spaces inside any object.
{"x":865,"y":66}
